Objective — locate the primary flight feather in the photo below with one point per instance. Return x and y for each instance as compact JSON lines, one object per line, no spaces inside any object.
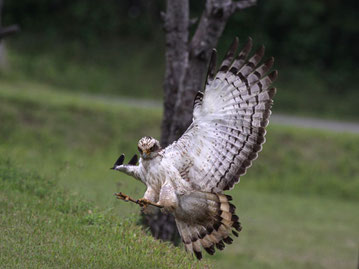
{"x":187,"y":178}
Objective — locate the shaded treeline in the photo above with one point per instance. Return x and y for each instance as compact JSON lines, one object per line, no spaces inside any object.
{"x":325,"y":33}
{"x":314,"y":42}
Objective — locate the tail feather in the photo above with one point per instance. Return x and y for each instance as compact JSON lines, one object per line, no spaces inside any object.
{"x":210,"y":250}
{"x":226,"y":215}
{"x":206,"y":242}
{"x":220,"y":245}
{"x":216,"y":232}
{"x":227,"y":223}
{"x":228,"y":240}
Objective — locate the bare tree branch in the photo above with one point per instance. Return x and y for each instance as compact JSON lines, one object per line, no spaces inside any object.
{"x":9,"y":30}
{"x":209,"y":30}
{"x":243,"y":4}
{"x":213,"y":21}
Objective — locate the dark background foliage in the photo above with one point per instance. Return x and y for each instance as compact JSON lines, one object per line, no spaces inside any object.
{"x":314,"y":42}
{"x":322,"y":33}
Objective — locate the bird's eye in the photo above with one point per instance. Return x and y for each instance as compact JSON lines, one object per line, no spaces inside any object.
{"x":153,"y":148}
{"x":139,"y":149}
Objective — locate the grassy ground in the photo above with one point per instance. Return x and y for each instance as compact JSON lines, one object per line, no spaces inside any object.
{"x":44,"y":227}
{"x":288,"y":231}
{"x":297,"y":203}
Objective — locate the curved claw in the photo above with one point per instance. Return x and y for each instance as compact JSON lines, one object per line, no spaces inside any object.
{"x":124,"y":197}
{"x":119,"y":161}
{"x":143,"y":203}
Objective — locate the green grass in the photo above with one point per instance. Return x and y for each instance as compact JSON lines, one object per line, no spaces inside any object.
{"x":307,"y":162}
{"x":121,"y":68}
{"x":288,"y":231}
{"x":307,"y":92}
{"x":71,"y":137}
{"x":135,"y":68}
{"x":44,"y":227}
{"x":84,"y":134}
{"x":297,"y":203}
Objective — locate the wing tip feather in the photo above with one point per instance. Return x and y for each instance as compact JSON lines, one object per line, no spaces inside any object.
{"x":260,"y":52}
{"x":273,"y":75}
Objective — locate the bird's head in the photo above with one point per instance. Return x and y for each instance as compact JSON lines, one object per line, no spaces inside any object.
{"x":148,"y":147}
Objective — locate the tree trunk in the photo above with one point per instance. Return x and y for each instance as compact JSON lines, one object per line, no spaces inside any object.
{"x":186,"y":67}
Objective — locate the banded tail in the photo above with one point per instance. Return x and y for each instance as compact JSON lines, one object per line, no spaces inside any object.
{"x":216,"y":232}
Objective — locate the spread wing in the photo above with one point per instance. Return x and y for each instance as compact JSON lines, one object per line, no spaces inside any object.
{"x":229,"y":121}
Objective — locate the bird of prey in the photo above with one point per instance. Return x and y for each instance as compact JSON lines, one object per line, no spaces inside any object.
{"x":187,"y":178}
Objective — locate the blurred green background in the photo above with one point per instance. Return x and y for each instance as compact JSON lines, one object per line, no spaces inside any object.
{"x":117,"y":47}
{"x":65,"y":118}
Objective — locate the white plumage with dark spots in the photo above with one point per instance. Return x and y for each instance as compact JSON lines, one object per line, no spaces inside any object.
{"x":187,"y":178}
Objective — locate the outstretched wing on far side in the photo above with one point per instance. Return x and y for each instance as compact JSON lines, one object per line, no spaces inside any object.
{"x":229,"y":121}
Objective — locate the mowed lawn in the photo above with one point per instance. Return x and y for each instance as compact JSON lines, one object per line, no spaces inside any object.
{"x":43,"y":226}
{"x":298,"y":204}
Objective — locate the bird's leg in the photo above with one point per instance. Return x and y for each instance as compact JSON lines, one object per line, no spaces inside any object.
{"x":125,"y":197}
{"x":141,"y":202}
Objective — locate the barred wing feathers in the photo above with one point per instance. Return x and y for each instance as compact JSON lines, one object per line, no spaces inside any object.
{"x":229,"y":121}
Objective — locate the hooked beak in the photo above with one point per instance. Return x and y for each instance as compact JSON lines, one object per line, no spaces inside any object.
{"x":145,"y":154}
